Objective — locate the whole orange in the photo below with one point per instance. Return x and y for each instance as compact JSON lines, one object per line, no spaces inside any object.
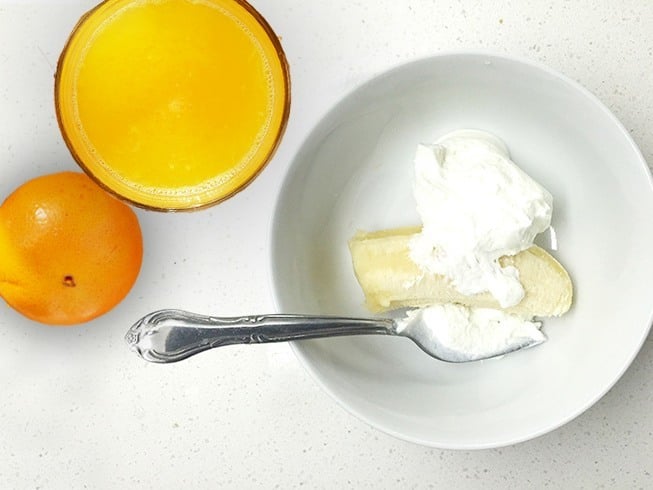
{"x":69,"y":251}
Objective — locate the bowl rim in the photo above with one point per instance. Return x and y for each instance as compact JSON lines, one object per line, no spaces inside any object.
{"x":275,"y":278}
{"x":285,"y":115}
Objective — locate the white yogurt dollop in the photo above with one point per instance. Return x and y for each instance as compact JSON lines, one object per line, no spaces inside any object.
{"x":476,"y":206}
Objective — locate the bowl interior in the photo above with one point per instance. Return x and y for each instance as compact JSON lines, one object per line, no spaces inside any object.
{"x":355,"y":172}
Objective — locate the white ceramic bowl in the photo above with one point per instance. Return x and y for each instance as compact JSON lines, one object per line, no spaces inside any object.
{"x":355,"y":172}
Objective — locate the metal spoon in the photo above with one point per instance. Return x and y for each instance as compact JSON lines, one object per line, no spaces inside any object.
{"x":173,"y":335}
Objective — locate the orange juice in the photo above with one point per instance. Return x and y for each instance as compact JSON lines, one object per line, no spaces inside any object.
{"x":172,"y":104}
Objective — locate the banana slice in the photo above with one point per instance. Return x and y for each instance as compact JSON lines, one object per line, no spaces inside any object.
{"x":391,"y":280}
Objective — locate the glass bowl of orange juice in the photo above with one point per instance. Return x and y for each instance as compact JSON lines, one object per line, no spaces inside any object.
{"x":172,"y":104}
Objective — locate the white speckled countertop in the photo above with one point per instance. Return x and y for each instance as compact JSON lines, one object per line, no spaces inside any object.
{"x":79,"y":410}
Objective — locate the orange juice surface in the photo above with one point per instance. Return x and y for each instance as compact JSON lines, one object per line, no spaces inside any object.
{"x":173,"y":103}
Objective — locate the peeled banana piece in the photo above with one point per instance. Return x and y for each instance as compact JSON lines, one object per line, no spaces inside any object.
{"x":391,"y":280}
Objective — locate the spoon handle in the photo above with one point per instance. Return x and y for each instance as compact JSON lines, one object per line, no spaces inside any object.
{"x":172,"y":335}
